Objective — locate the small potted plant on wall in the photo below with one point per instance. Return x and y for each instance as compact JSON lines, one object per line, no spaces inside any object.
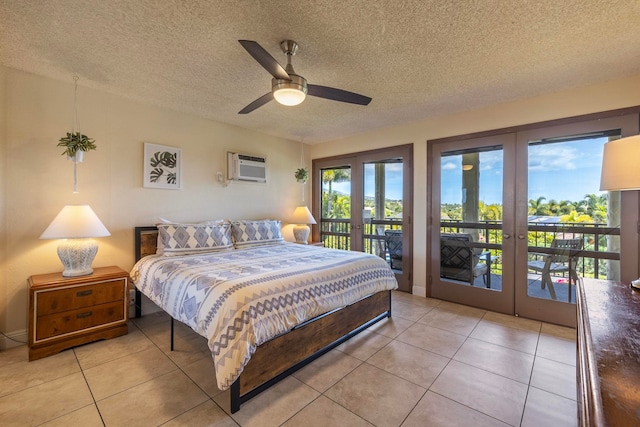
{"x":76,"y":144}
{"x":302,"y":175}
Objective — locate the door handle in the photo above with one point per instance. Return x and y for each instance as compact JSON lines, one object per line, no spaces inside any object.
{"x":521,"y":236}
{"x":506,"y":236}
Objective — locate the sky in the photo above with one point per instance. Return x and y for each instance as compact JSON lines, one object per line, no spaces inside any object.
{"x":558,"y":171}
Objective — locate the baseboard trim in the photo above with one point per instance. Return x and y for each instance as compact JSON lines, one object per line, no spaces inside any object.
{"x":420,"y":291}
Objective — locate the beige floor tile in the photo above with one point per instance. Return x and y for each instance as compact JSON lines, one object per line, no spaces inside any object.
{"x":21,"y":375}
{"x":375,"y":395}
{"x":419,"y":366}
{"x":96,"y":353}
{"x":408,"y":311}
{"x":558,"y":349}
{"x":364,"y":345}
{"x":203,"y":373}
{"x":327,"y":370}
{"x":434,"y":410}
{"x":207,"y":414}
{"x":516,"y":339}
{"x":554,"y":377}
{"x":391,"y":327}
{"x":559,"y":331}
{"x":188,"y":350}
{"x":153,"y":402}
{"x":548,"y":410}
{"x":85,"y":417}
{"x":513,"y":321}
{"x":323,"y":412}
{"x":452,"y":321}
{"x":491,"y":394}
{"x":273,"y":406}
{"x":147,"y":320}
{"x":414,"y":299}
{"x":461,"y":309}
{"x":436,"y":340}
{"x":13,"y":355}
{"x":125,"y":372}
{"x":45,"y":402}
{"x":504,"y":361}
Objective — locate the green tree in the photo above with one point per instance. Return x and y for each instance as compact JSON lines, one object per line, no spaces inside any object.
{"x":329,"y":176}
{"x":536,"y":207}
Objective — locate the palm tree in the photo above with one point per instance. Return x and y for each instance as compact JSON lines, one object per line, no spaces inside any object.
{"x":536,"y":207}
{"x":329,"y":176}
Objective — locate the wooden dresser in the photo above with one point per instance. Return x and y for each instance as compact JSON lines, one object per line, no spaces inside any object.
{"x":608,"y":354}
{"x":68,"y":311}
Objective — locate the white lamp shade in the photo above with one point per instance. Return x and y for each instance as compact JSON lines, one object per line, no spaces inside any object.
{"x":289,"y":96}
{"x":75,"y":222}
{"x":302,"y":215}
{"x":620,"y":164}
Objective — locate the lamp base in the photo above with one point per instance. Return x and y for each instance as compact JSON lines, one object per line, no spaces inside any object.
{"x":76,"y":256}
{"x":301,"y":233}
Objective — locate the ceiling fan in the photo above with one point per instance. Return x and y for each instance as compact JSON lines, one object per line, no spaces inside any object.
{"x":289,"y":88}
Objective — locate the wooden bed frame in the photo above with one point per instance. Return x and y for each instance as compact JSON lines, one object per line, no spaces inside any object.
{"x":285,"y":354}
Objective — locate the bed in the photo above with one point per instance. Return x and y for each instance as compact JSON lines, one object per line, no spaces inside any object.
{"x":267,"y":307}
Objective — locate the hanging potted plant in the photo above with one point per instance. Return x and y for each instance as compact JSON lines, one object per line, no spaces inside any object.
{"x":76,"y":144}
{"x":302,"y":175}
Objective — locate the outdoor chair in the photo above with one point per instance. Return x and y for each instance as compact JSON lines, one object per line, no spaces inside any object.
{"x":560,"y":260}
{"x":393,"y":242}
{"x":459,"y":261}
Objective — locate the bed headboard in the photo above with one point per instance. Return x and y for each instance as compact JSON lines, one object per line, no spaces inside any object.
{"x":146,"y":241}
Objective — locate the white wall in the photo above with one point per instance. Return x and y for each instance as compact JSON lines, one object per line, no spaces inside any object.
{"x":35,"y":112}
{"x":574,"y":102}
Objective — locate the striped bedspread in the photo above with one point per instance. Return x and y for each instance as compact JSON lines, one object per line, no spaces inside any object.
{"x":239,"y":299}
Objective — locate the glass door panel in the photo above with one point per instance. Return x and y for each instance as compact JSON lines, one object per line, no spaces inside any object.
{"x":383,"y":211}
{"x":471,"y":218}
{"x":335,"y":218}
{"x":571,"y":231}
{"x":471,"y":254}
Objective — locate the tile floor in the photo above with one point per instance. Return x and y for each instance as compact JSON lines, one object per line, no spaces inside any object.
{"x":433,"y":364}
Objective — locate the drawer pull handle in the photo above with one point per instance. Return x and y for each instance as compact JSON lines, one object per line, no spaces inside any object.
{"x":84,"y":293}
{"x":85,"y":314}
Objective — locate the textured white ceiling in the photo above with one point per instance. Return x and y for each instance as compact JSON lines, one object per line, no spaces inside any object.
{"x":416,"y":59}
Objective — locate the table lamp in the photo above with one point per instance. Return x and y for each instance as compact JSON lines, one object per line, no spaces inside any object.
{"x":620,"y":165}
{"x":77,"y":224}
{"x":620,"y":169}
{"x":302,"y":217}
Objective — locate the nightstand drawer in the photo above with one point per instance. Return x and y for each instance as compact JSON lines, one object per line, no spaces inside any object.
{"x":62,"y":300}
{"x":57,"y":324}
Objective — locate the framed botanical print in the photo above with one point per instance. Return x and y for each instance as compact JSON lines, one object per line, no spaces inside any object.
{"x":162,"y":167}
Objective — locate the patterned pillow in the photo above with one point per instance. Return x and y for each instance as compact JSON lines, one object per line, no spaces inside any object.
{"x":254,"y":233}
{"x":187,"y":239}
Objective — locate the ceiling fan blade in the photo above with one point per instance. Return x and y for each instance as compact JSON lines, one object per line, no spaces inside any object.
{"x":264,"y":59}
{"x":257,"y":103}
{"x":337,"y":94}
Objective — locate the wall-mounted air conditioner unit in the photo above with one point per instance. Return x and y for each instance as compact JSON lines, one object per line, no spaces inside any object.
{"x":246,"y":167}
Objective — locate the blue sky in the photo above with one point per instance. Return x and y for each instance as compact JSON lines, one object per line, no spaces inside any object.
{"x":560,"y":171}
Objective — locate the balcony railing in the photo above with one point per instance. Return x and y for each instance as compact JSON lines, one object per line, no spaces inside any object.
{"x":593,"y":260}
{"x":336,"y":234}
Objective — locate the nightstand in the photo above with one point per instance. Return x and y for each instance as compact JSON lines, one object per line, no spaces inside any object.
{"x":68,"y":311}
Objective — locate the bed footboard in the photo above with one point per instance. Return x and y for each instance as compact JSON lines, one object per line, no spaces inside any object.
{"x":283,"y":355}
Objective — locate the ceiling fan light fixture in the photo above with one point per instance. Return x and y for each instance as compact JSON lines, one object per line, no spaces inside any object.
{"x":289,"y":92}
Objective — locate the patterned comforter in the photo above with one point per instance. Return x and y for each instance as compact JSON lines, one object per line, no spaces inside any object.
{"x":239,"y":299}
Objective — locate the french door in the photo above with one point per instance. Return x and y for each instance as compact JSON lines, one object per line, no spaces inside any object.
{"x":364,"y":202}
{"x":518,"y":219}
